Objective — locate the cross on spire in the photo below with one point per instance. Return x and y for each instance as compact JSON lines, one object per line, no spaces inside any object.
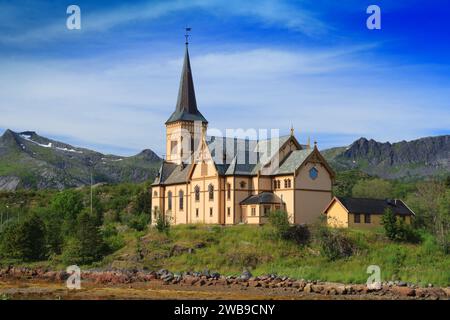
{"x":186,"y":35}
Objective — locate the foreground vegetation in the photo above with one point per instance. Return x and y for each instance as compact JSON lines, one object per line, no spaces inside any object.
{"x":56,"y":229}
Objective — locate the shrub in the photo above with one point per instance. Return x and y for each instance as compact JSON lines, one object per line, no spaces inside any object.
{"x":162,"y":224}
{"x":335,"y":244}
{"x":397,"y":230}
{"x":139,"y":222}
{"x":298,"y":233}
{"x":25,"y":240}
{"x":280,"y":221}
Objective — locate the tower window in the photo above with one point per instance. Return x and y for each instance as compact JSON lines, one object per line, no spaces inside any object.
{"x":228,"y":212}
{"x":228,"y":191}
{"x":197,"y":193}
{"x":196,"y":212}
{"x":210,"y":212}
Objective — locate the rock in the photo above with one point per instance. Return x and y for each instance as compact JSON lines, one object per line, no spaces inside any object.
{"x":317,"y":288}
{"x":341,"y":290}
{"x":246,"y":275}
{"x":308,"y":288}
{"x":190,"y":280}
{"x":299,"y":284}
{"x":402,"y":284}
{"x":215,"y":275}
{"x":404,"y":291}
{"x":202,"y":282}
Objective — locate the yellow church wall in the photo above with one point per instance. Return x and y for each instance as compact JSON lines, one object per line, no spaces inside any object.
{"x":322,"y":182}
{"x":286,"y":194}
{"x":309,"y":205}
{"x":240,"y":193}
{"x":203,"y":175}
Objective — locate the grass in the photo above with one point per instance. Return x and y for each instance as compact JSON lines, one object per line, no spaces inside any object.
{"x":230,"y":249}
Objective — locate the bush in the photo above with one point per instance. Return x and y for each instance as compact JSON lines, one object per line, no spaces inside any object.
{"x":335,"y":244}
{"x":280,"y":221}
{"x":298,"y":233}
{"x":397,"y":230}
{"x":25,"y":240}
{"x":162,"y":225}
{"x":139,"y":222}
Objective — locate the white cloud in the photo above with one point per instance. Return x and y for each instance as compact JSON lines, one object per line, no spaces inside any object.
{"x":268,"y":12}
{"x":123,"y":103}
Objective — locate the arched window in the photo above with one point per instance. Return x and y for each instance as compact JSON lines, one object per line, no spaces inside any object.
{"x":228,"y":191}
{"x":169,"y":200}
{"x":211,"y":192}
{"x":278,"y":184}
{"x":181,"y":199}
{"x":155,"y":193}
{"x":274,"y":184}
{"x":197,"y":193}
{"x":285,"y":183}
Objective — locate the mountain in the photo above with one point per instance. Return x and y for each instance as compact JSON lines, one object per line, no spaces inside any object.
{"x":28,"y":160}
{"x":401,"y":160}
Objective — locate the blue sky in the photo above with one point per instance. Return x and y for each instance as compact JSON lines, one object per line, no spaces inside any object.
{"x":256,"y":64}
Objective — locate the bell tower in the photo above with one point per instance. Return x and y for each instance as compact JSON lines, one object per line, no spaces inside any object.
{"x":186,"y":127}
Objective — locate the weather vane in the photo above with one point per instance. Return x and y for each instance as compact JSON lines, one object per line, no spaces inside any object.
{"x":188,"y":29}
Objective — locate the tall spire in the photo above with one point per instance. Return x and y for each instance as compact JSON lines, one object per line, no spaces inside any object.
{"x":186,"y":108}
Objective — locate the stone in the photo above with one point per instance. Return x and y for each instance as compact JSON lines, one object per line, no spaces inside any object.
{"x":404,"y":291}
{"x":341,"y":290}
{"x":308,"y":288}
{"x":246,"y":275}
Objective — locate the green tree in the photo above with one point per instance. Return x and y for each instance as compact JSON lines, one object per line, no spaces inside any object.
{"x":279,"y":219}
{"x":66,"y":206}
{"x":374,"y":188}
{"x":87,"y":244}
{"x":162,"y":224}
{"x":389,"y":222}
{"x":25,"y":240}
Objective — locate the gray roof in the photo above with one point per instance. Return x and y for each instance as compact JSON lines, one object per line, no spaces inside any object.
{"x":186,"y":108}
{"x":293,"y":161}
{"x":262,"y":198}
{"x":374,"y":206}
{"x":233,"y":156}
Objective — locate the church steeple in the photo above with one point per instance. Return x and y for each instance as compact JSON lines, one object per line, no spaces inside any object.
{"x":186,"y":107}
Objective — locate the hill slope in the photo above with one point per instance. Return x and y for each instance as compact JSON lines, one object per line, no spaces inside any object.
{"x":28,"y":160}
{"x":408,"y":160}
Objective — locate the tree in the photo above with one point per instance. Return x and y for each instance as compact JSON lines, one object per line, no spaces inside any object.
{"x":86,"y":245}
{"x":396,"y":229}
{"x":389,"y":222}
{"x":162,"y":224}
{"x":25,"y":240}
{"x":374,"y":188}
{"x":65,"y":207}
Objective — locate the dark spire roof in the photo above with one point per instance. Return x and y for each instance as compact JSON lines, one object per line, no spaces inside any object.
{"x":186,"y":108}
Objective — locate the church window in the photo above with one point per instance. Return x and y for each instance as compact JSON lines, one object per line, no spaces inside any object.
{"x":229,"y":212}
{"x":211,"y":192}
{"x":181,"y":199}
{"x":253,"y":211}
{"x":285,"y":183}
{"x":196,"y":212}
{"x":197,"y":193}
{"x":278,"y":184}
{"x":274,"y":184}
{"x":313,"y":173}
{"x":288,"y":183}
{"x":242,"y":184}
{"x":173,"y":147}
{"x":210,"y":212}
{"x":155,"y":194}
{"x":228,"y":191}
{"x":169,"y":200}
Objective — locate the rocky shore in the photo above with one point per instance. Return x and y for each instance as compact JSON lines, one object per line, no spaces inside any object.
{"x":246,"y":281}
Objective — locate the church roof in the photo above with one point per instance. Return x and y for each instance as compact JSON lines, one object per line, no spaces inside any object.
{"x":262,"y":198}
{"x":186,"y":108}
{"x":293,"y":161}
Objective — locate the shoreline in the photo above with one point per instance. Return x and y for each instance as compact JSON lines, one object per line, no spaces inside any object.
{"x":28,"y":283}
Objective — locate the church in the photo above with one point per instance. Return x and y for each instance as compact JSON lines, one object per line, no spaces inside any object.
{"x":232,"y":180}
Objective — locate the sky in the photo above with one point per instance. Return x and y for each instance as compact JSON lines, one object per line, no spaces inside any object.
{"x":265,"y":64}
